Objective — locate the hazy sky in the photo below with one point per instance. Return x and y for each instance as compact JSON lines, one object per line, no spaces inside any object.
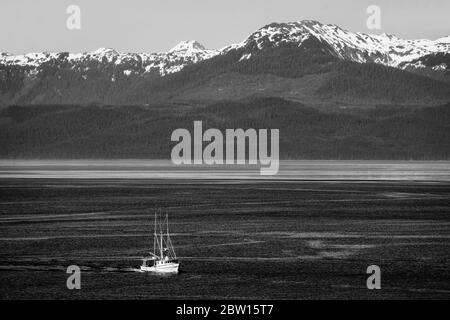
{"x":154,"y":26}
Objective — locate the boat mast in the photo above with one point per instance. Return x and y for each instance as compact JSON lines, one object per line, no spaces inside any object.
{"x":154,"y":238}
{"x":167,"y":224}
{"x":169,"y":241}
{"x":161,"y":244}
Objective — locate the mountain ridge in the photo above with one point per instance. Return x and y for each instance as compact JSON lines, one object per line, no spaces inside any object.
{"x":287,"y":50}
{"x":384,"y":49}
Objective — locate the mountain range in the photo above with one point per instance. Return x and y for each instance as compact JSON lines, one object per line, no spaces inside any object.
{"x":277,"y":57}
{"x":333,"y":93}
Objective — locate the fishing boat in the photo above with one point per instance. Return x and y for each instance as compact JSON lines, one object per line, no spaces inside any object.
{"x":163,"y":258}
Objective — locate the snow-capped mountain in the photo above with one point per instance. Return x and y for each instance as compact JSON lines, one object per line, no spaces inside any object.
{"x":184,"y":53}
{"x":287,"y":50}
{"x":383,"y":49}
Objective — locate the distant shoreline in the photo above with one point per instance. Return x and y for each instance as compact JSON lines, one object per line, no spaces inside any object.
{"x":296,"y":170}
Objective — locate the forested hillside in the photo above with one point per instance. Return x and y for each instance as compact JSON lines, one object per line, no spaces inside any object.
{"x":144,"y":132}
{"x":348,"y":80}
{"x":340,"y":81}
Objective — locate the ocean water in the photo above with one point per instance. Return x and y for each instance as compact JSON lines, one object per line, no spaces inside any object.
{"x":309,"y":233}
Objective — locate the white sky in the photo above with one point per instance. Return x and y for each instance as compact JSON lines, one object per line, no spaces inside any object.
{"x":154,"y":26}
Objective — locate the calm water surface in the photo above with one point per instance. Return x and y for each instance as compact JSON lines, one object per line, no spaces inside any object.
{"x":308,"y":233}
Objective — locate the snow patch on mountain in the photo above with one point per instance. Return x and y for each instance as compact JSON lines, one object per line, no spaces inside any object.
{"x":386,"y":49}
{"x":190,"y":46}
{"x":185,"y":53}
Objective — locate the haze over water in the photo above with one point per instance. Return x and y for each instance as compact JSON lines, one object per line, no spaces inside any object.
{"x":289,"y":170}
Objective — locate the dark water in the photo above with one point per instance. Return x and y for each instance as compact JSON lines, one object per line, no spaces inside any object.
{"x":235,"y":238}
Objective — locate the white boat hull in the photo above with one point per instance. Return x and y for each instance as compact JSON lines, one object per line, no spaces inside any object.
{"x":162,"y":268}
